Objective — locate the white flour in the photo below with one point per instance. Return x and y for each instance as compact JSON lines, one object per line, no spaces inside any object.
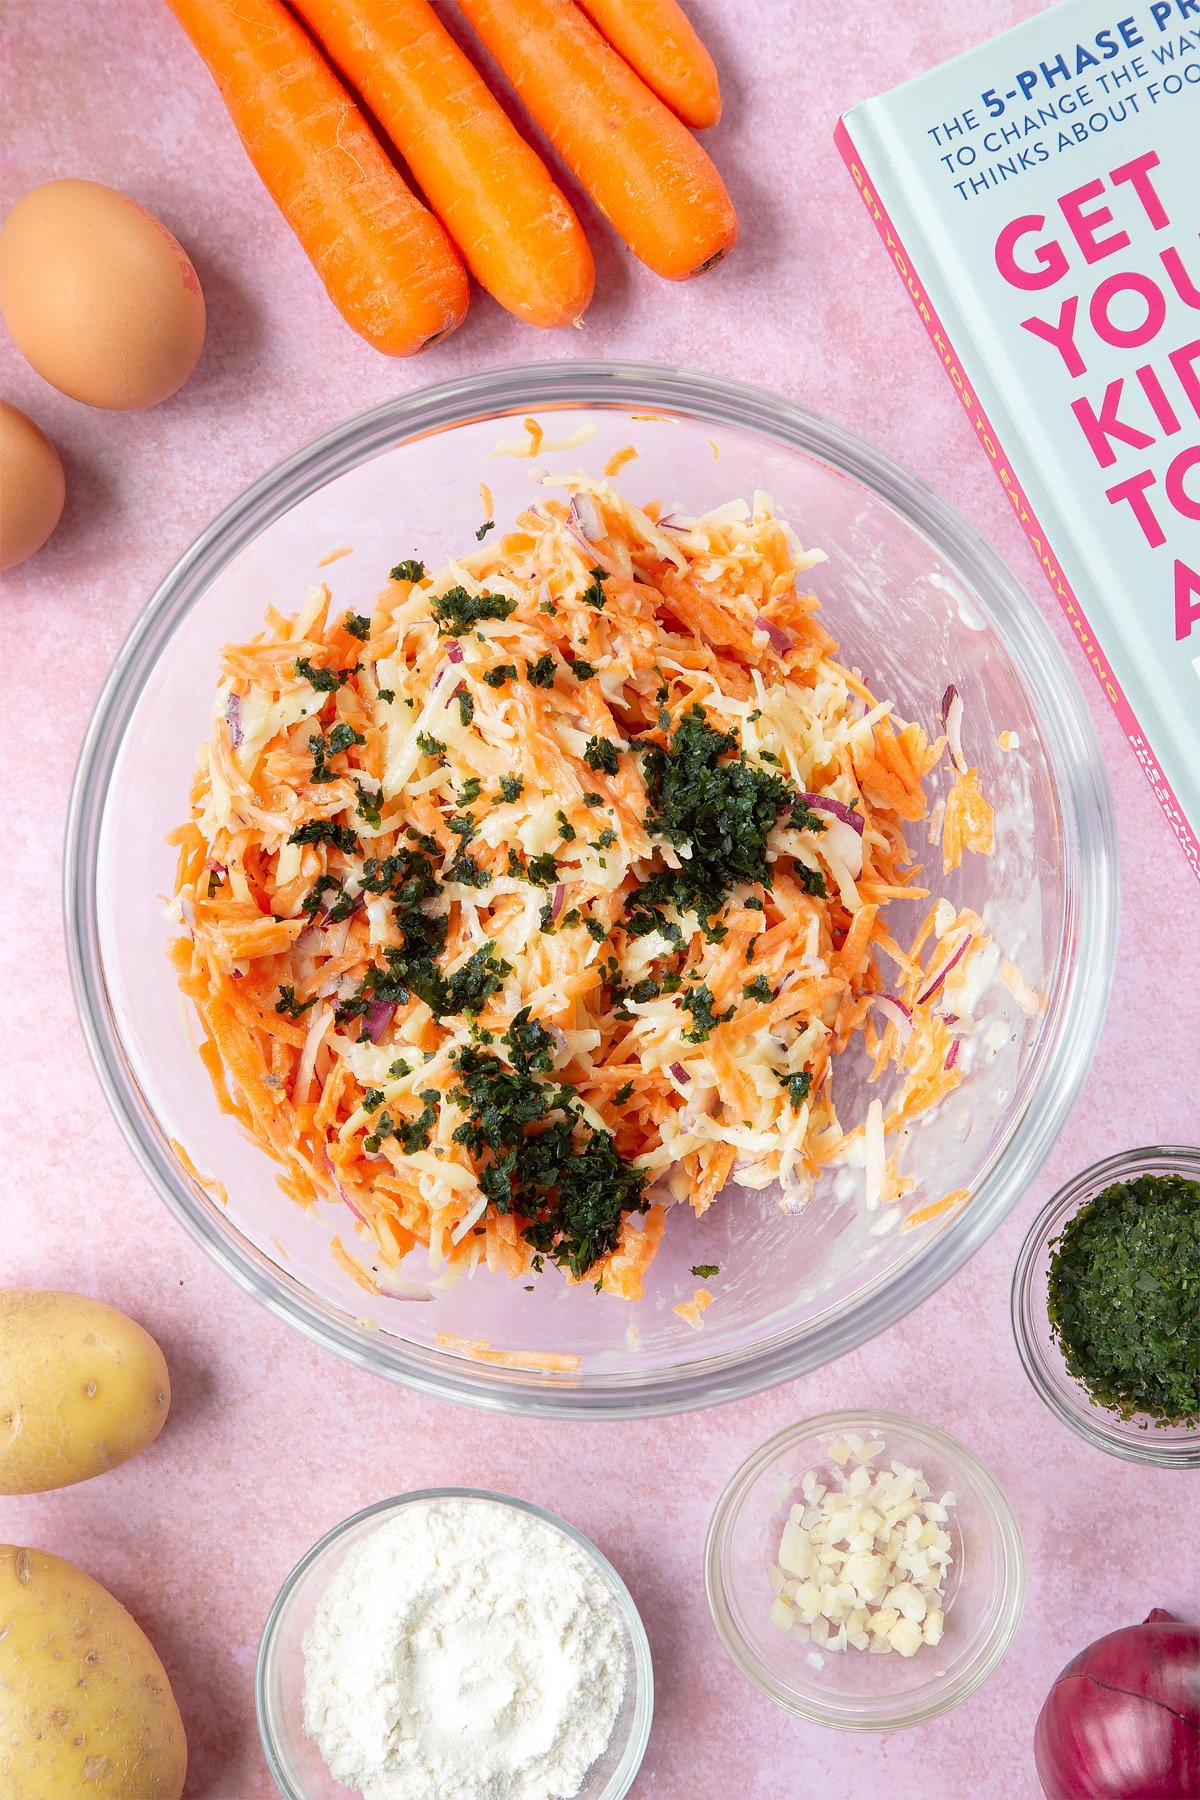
{"x":465,"y":1650}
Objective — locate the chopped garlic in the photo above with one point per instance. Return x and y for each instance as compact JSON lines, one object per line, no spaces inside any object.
{"x":862,"y":1562}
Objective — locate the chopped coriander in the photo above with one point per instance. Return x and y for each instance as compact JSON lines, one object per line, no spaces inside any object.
{"x":289,"y":1006}
{"x":430,"y":746}
{"x":516,"y":868}
{"x":466,"y":706}
{"x":470,"y":790}
{"x":566,"y":830}
{"x":340,"y":738}
{"x":457,"y":612}
{"x":593,"y":594}
{"x":606,"y":840}
{"x":530,"y":1045}
{"x":758,"y":989}
{"x":799,"y":1086}
{"x":358,"y":625}
{"x":593,"y":799}
{"x":811,"y":880}
{"x":370,"y":804}
{"x":488,"y":525}
{"x":412,"y":570}
{"x":462,"y":825}
{"x":769,"y":756}
{"x":623,"y":1093}
{"x":645,"y":989}
{"x":423,"y":841}
{"x":704,"y":793}
{"x":511,"y":788}
{"x":803,"y":818}
{"x":698,"y":1001}
{"x":325,"y":831}
{"x":542,"y":870}
{"x":601,"y":754}
{"x":503,"y":672}
{"x":387,"y":693}
{"x":595,"y":931}
{"x":581,"y":670}
{"x":754,"y":903}
{"x":372,"y":1099}
{"x":465,"y":869}
{"x":326,"y":681}
{"x":541,"y":673}
{"x":398,"y":1069}
{"x":705,"y":1271}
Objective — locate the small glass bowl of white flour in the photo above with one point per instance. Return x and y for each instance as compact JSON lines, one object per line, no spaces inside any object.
{"x":458,"y":1644}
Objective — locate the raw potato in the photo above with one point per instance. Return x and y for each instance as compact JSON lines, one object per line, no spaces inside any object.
{"x":81,"y":1389}
{"x":86,"y":1710}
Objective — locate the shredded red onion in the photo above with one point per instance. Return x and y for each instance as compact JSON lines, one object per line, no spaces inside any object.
{"x":780,"y":639}
{"x":679,"y":1072}
{"x":233,"y":718}
{"x":896,"y":1011}
{"x":586,"y":515}
{"x":952,"y":717}
{"x":377,"y":1018}
{"x":556,"y":904}
{"x":952,"y":1054}
{"x":942,"y":973}
{"x":826,"y":803}
{"x":454,"y":650}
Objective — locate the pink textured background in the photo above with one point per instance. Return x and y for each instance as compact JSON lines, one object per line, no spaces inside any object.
{"x":271,"y":1441}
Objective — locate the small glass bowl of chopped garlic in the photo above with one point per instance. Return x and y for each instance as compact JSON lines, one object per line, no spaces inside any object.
{"x":865,"y":1571}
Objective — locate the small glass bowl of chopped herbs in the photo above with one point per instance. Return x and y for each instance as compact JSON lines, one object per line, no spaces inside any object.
{"x":1106,"y":1305}
{"x":897,"y":1532}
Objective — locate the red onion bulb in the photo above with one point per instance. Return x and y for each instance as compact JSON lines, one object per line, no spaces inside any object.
{"x":1123,"y":1717}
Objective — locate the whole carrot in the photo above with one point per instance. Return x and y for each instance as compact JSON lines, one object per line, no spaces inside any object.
{"x":386,"y":263}
{"x":491,"y":190}
{"x":645,"y":171}
{"x":658,"y":41}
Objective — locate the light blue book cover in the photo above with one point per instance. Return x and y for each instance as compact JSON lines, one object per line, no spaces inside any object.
{"x":1040,"y":198}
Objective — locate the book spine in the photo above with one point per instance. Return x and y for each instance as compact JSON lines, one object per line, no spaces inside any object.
{"x":1015,"y":492}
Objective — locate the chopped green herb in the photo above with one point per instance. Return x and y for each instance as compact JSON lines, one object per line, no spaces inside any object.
{"x":541,"y":673}
{"x":466,"y":706}
{"x":811,"y":880}
{"x":566,"y":830}
{"x":698,"y":1001}
{"x":326,"y":681}
{"x":581,"y":670}
{"x":462,"y":825}
{"x":370,"y":804}
{"x":412,"y":570}
{"x":590,"y":799}
{"x":387,"y":693}
{"x":358,"y":625}
{"x":593,"y":594}
{"x":465,"y":869}
{"x":325,"y":831}
{"x":503,"y":672}
{"x":705,"y":1271}
{"x":759,"y":989}
{"x":470,"y":790}
{"x":289,"y":1006}
{"x":340,"y":738}
{"x":606,"y":840}
{"x":511,"y":788}
{"x":372,"y":1099}
{"x":601,"y":754}
{"x":803,"y":818}
{"x":542,"y":870}
{"x":623,"y":1093}
{"x":799,"y":1086}
{"x":398,"y":1069}
{"x":430,"y":746}
{"x":530,"y":1045}
{"x":1123,"y":1298}
{"x":595,"y":931}
{"x":488,"y":525}
{"x":458,"y":612}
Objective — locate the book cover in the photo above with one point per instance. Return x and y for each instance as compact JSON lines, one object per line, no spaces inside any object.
{"x":1040,"y":199}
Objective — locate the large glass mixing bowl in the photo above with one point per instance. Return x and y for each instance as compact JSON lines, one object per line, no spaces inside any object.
{"x":916,"y":599}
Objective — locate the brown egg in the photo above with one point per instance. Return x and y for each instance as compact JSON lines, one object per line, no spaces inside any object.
{"x":98,"y":295}
{"x":31,"y":487}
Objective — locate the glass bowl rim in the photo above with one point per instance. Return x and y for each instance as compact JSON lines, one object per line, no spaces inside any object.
{"x":893,"y":1715}
{"x":1088,"y":842}
{"x":1096,"y":1425}
{"x":641,"y":1661}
